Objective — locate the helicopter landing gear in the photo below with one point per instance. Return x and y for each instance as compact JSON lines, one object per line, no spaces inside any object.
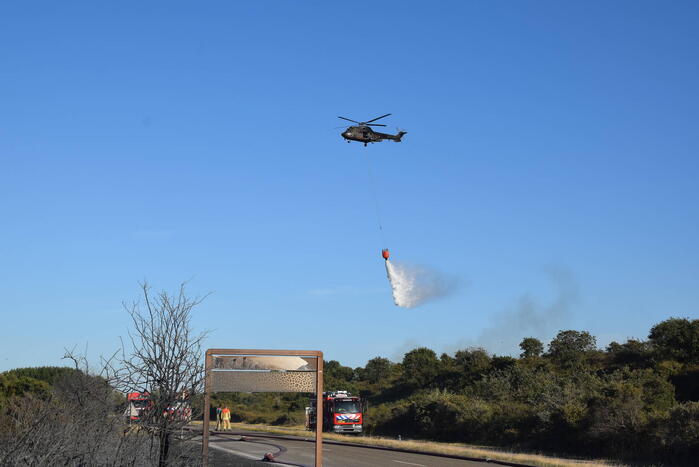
{"x":348,"y":141}
{"x":364,"y":144}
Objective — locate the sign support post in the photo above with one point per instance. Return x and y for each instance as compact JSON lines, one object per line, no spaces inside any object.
{"x":207,"y":410}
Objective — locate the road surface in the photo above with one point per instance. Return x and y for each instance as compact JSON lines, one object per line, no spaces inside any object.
{"x":301,"y":453}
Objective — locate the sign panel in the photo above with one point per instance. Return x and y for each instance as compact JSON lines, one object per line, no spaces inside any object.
{"x":263,"y":381}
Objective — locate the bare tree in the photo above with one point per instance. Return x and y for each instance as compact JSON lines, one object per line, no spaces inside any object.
{"x":80,"y":420}
{"x":165,"y":358}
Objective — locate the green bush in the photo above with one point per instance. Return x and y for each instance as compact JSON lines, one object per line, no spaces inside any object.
{"x":12,"y":385}
{"x":682,"y":432}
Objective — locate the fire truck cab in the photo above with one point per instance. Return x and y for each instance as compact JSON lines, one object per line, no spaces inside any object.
{"x":137,"y":403}
{"x":342,"y":413}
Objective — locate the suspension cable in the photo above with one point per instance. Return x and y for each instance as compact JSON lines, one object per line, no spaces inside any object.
{"x":377,"y":209}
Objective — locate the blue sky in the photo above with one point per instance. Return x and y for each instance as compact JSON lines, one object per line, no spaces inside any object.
{"x":550,"y":166}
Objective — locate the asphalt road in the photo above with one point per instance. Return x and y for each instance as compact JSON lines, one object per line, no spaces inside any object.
{"x":301,"y":453}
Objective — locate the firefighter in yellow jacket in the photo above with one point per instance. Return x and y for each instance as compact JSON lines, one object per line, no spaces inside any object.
{"x":226,"y":417}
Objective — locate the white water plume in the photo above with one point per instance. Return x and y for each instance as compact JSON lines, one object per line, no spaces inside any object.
{"x":414,"y":285}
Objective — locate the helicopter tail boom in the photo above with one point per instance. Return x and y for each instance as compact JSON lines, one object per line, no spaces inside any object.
{"x":395,"y":137}
{"x":399,"y":136}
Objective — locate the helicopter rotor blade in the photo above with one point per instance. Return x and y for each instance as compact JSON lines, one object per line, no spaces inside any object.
{"x":350,"y":120}
{"x":374,"y":124}
{"x":373,"y":120}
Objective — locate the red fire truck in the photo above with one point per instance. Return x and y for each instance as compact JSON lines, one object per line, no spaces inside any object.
{"x":140,"y":402}
{"x":342,"y":413}
{"x":137,"y":402}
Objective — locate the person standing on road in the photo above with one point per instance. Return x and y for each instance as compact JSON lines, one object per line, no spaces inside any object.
{"x":226,"y":416}
{"x":218,"y":418}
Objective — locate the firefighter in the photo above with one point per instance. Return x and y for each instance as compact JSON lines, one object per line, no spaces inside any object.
{"x":218,"y":418}
{"x":226,"y":417}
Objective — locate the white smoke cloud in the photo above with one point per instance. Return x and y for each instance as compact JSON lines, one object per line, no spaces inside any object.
{"x":414,"y":285}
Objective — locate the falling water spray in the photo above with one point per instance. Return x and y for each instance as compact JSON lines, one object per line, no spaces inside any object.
{"x":413,"y":285}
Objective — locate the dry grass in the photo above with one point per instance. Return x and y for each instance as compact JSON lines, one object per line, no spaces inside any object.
{"x":433,"y":447}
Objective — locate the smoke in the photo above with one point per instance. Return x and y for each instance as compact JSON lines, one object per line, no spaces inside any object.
{"x":529,"y":317}
{"x":526,"y":317}
{"x":414,"y":285}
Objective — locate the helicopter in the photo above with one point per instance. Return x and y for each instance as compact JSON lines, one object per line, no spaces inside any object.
{"x":363,"y":133}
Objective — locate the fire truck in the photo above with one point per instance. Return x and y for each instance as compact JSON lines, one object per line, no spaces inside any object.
{"x":342,"y":413}
{"x":138,"y":402}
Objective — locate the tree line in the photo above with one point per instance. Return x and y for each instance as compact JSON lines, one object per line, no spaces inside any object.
{"x":636,"y":401}
{"x":633,"y":401}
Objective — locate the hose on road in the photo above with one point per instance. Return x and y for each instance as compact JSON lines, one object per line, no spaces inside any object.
{"x":270,"y":456}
